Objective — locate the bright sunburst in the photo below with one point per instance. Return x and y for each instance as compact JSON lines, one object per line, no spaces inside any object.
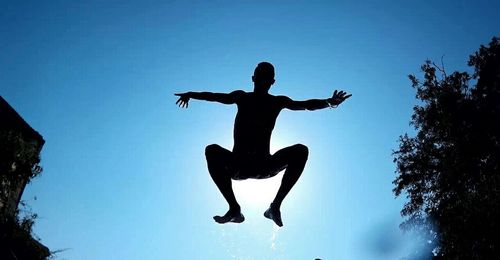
{"x":256,"y":193}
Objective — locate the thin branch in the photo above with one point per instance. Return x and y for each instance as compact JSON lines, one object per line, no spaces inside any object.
{"x":440,"y":68}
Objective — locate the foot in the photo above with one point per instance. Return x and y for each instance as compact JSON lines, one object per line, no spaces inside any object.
{"x":274,"y":214}
{"x":230,"y":216}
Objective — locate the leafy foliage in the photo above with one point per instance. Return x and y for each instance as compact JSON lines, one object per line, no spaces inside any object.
{"x":19,"y":162}
{"x":450,"y":171}
{"x":19,"y":158}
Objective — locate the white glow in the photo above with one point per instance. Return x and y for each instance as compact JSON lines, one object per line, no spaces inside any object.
{"x":256,"y":193}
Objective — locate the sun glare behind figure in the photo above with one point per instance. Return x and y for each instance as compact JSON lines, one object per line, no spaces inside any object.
{"x":257,"y":193}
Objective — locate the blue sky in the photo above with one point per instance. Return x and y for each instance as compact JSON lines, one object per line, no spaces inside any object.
{"x":124,"y":170}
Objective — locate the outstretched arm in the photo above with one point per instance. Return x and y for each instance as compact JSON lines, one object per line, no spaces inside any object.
{"x":223,"y":98}
{"x":313,"y":104}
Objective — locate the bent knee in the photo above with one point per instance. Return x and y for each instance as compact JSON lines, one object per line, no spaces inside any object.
{"x":301,"y":151}
{"x":212,"y":149}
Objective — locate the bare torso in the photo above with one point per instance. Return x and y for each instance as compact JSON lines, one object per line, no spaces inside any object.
{"x":254,"y":123}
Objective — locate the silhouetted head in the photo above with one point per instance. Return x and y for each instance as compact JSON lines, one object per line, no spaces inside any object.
{"x":263,"y":77}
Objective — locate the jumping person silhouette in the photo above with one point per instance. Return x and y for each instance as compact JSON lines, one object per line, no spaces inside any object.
{"x":254,"y":123}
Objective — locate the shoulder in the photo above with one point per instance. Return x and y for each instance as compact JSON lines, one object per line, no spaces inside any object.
{"x":283,"y":100}
{"x":237,"y":95}
{"x":238,"y":92}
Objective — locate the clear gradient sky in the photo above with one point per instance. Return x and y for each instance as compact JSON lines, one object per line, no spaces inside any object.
{"x":124,"y":169}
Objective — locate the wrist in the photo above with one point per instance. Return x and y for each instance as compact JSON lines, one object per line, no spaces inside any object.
{"x":331,"y":104}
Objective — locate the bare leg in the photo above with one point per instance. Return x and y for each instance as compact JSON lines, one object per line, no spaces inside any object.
{"x":217,"y":160}
{"x":294,"y":158}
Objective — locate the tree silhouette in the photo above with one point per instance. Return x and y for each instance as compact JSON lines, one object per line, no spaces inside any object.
{"x":450,"y":170}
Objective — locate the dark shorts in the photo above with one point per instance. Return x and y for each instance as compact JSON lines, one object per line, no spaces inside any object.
{"x":242,"y":167}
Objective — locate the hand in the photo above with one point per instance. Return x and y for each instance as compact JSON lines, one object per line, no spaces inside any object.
{"x":338,"y":98}
{"x":183,"y":100}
